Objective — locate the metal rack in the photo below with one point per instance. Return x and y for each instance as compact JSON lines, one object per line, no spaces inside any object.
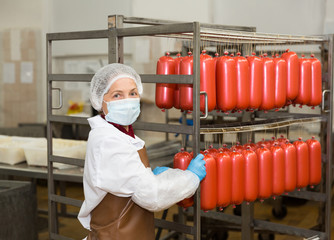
{"x":196,"y":32}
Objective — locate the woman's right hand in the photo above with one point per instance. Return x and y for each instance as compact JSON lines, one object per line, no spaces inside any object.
{"x":197,"y":166}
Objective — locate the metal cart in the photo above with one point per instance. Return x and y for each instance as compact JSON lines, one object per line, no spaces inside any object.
{"x":196,"y":33}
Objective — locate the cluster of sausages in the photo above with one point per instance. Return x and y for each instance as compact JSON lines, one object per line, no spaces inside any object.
{"x":255,"y":171}
{"x":242,"y":83}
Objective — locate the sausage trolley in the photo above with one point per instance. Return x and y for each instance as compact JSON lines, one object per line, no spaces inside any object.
{"x":196,"y":33}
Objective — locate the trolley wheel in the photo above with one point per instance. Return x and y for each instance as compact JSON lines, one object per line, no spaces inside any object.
{"x":266,"y":236}
{"x":280,"y":214}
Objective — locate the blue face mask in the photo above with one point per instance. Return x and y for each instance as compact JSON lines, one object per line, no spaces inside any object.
{"x":124,"y":111}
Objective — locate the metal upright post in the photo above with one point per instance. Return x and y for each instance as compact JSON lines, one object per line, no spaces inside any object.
{"x":52,"y":206}
{"x":247,"y":227}
{"x":329,"y":164}
{"x":115,"y":43}
{"x":196,"y":121}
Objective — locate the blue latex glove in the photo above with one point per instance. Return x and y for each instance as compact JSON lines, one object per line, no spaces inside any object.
{"x":197,"y":166}
{"x":159,"y":170}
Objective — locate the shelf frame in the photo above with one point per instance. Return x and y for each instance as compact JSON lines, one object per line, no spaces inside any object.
{"x":196,"y":33}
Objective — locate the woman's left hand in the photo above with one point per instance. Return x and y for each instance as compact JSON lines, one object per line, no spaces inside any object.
{"x":159,"y":170}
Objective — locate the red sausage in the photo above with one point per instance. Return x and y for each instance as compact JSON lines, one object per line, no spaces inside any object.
{"x":290,"y":159}
{"x":224,"y":149}
{"x":303,"y":164}
{"x":250,"y":145}
{"x":181,"y":161}
{"x":268,"y":97}
{"x":256,"y":81}
{"x":177,"y":61}
{"x":314,"y":148}
{"x":237,"y":147}
{"x":251,"y":175}
{"x":316,"y":82}
{"x":280,"y":82}
{"x":242,"y":82}
{"x":278,"y":169}
{"x":211,"y":151}
{"x":264,"y":157}
{"x":238,"y":178}
{"x":304,"y":94}
{"x":186,"y":90}
{"x":224,"y":179}
{"x":208,"y":81}
{"x":226,"y":83}
{"x":209,"y":184}
{"x":164,"y":92}
{"x":292,"y":81}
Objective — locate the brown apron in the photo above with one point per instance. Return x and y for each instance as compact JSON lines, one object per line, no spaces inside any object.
{"x":120,"y":218}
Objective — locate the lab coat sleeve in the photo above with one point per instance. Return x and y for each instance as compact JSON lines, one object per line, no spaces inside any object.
{"x":120,"y":171}
{"x":165,"y":189}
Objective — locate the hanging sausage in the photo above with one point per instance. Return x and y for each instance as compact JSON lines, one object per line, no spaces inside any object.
{"x":250,"y":145}
{"x":243,"y":85}
{"x":304,"y":94}
{"x":164,"y":92}
{"x":303,"y":163}
{"x":280,"y":81}
{"x":290,"y":161}
{"x":208,"y":81}
{"x":264,"y":143}
{"x":209,"y":184}
{"x":281,"y":140}
{"x":181,"y":161}
{"x":224,"y":149}
{"x":224,"y":179}
{"x":316,"y":82}
{"x":216,"y":58}
{"x":212,"y":151}
{"x":264,"y":157}
{"x":237,"y":147}
{"x":177,"y":61}
{"x":314,"y":148}
{"x":255,"y":81}
{"x":186,"y":90}
{"x":226,"y":83}
{"x":292,"y":69}
{"x":251,"y":175}
{"x":238,"y":178}
{"x":268,"y":90}
{"x":278,"y":169}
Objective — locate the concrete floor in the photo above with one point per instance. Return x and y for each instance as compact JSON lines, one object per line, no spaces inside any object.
{"x":300,"y":215}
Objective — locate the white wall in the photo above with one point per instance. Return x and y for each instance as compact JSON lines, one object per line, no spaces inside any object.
{"x":329,"y":17}
{"x":283,"y":16}
{"x":83,"y":15}
{"x":20,"y":13}
{"x":178,"y":10}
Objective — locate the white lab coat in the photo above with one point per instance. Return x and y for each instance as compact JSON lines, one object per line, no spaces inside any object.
{"x":113,"y":165}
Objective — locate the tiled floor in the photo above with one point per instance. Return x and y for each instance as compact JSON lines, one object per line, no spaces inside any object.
{"x":301,"y":215}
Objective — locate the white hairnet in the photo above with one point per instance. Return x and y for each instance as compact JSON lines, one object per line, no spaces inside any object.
{"x":105,"y":77}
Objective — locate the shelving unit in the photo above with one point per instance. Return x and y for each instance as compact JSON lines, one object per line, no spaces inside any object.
{"x":196,"y":32}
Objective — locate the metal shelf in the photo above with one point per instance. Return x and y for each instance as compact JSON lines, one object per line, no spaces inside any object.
{"x":257,"y":125}
{"x":196,"y":33}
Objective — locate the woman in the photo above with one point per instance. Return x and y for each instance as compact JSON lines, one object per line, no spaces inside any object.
{"x":121,"y":191}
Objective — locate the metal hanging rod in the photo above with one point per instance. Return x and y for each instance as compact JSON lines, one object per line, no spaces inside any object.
{"x":224,"y":36}
{"x":225,"y":33}
{"x":149,"y":21}
{"x":257,"y":127}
